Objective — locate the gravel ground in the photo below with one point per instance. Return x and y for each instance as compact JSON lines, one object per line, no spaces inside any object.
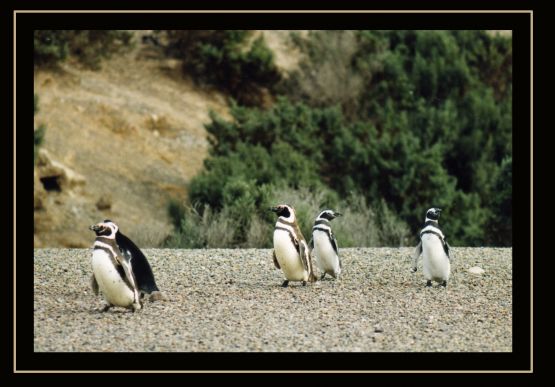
{"x":231,"y":300}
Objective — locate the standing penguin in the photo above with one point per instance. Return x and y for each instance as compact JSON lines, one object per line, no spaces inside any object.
{"x":435,"y":250}
{"x":324,"y":244}
{"x":291,"y":253}
{"x":120,"y":270}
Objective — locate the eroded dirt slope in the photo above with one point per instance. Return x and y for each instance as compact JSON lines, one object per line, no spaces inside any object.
{"x":134,"y":130}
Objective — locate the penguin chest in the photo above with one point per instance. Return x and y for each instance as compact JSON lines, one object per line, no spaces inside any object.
{"x":436,"y":263}
{"x":109,"y":280}
{"x":327,"y":259}
{"x":288,"y":257}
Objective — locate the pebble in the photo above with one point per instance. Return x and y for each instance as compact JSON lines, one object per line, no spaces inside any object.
{"x":476,"y":270}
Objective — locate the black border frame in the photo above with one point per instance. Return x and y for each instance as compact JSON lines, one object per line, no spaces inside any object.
{"x":519,"y":359}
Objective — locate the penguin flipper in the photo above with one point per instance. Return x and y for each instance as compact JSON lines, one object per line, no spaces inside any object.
{"x":94,"y":285}
{"x":446,"y":248}
{"x":141,"y":267}
{"x":276,"y":263}
{"x":125,"y":262}
{"x":303,"y":254}
{"x":416,"y":255}
{"x":334,"y":243}
{"x":306,"y":260}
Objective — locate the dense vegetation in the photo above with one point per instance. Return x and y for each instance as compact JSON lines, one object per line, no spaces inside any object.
{"x":89,"y":47}
{"x":405,"y":120}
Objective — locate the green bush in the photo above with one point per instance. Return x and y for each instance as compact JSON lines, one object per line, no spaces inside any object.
{"x":89,"y":47}
{"x":226,"y":59}
{"x":38,"y":132}
{"x":435,"y":108}
{"x":50,"y":46}
{"x":296,"y":146}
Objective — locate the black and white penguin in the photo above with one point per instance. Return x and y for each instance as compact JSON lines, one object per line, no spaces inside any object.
{"x":120,"y":270}
{"x":324,"y":245}
{"x":434,"y":249}
{"x":291,"y":253}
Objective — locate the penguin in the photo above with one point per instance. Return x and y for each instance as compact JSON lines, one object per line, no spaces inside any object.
{"x":291,"y":253}
{"x":120,"y":270}
{"x":435,"y":250}
{"x":324,"y":244}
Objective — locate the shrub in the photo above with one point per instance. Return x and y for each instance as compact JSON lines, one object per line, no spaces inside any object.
{"x":38,"y":132}
{"x":50,"y":46}
{"x":226,"y":59}
{"x":89,"y":47}
{"x":253,"y":226}
{"x":296,"y":146}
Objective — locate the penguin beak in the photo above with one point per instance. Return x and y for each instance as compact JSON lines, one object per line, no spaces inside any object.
{"x":94,"y":227}
{"x":273,"y":209}
{"x":336,"y":214}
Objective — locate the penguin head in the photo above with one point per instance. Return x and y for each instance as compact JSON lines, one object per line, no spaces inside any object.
{"x":328,"y":214}
{"x":433,"y":214}
{"x":284,"y":211}
{"x":107,"y":229}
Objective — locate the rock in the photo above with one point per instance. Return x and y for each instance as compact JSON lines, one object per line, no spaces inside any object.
{"x":39,"y":192}
{"x":476,"y":270}
{"x":56,"y":176}
{"x":104,"y":203}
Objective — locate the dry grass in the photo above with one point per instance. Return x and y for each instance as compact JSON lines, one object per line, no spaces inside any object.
{"x":160,"y":124}
{"x":259,"y":233}
{"x":114,"y":120}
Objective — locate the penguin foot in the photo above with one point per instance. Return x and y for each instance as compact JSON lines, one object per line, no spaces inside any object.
{"x":304,"y":283}
{"x":105,"y":308}
{"x":285,"y":284}
{"x":429,"y":284}
{"x":136,"y":306}
{"x":444,"y":284}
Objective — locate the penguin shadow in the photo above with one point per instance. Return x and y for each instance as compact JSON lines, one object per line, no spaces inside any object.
{"x":98,"y":311}
{"x":328,"y":279}
{"x":95,"y":309}
{"x":278,"y":285}
{"x":434,"y":286}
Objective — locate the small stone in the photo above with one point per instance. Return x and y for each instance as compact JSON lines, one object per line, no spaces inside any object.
{"x":378,"y":328}
{"x":476,"y":270}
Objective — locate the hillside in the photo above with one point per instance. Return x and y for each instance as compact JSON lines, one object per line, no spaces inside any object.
{"x":123,"y":140}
